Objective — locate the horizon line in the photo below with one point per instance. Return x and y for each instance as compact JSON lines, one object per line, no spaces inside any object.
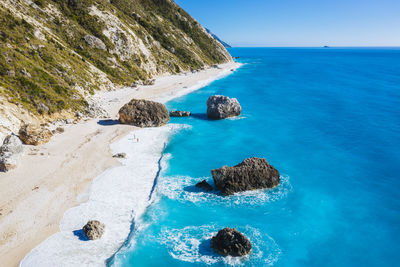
{"x":321,"y":46}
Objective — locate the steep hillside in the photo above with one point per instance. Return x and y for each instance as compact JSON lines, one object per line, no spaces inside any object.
{"x":54,"y":53}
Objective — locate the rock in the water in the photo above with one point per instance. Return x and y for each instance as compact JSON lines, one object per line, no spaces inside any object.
{"x":34,"y":135}
{"x":204,"y":185}
{"x":230,"y":242}
{"x":222,"y":107}
{"x":144,"y":113}
{"x":251,"y":174}
{"x":94,"y":42}
{"x":120,"y":156}
{"x":10,"y":153}
{"x":93,"y":230}
{"x":178,"y":113}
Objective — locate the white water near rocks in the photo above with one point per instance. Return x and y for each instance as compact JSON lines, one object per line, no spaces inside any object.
{"x":117,"y":198}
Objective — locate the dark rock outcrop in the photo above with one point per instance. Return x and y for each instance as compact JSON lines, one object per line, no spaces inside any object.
{"x":34,"y":135}
{"x":230,"y":242}
{"x":222,"y":107}
{"x":120,"y":156}
{"x":144,"y":113}
{"x":10,"y":153}
{"x":251,"y":174}
{"x":93,"y":230}
{"x":178,"y":113}
{"x":204,"y":185}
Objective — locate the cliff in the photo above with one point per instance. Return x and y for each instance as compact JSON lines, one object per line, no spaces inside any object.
{"x":54,"y":54}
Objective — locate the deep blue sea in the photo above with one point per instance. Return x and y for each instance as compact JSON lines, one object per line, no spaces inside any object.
{"x":329,"y":121}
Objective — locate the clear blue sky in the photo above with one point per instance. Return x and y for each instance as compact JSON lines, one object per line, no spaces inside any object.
{"x":300,"y":22}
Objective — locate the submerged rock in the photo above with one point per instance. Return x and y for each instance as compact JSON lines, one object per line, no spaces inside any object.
{"x":204,"y":185}
{"x":10,"y":153}
{"x":178,"y":113}
{"x":34,"y":135}
{"x":93,"y":230}
{"x":230,"y":242}
{"x":251,"y":174}
{"x":144,"y":113}
{"x":222,"y":107}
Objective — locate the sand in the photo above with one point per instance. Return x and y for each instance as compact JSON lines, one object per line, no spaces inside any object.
{"x":54,"y":177}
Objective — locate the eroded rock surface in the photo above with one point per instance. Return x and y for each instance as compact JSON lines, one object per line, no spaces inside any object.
{"x":93,"y":230}
{"x":10,"y":153}
{"x":230,"y":242}
{"x":94,"y":42}
{"x":251,"y":174}
{"x":222,"y":107}
{"x":34,"y":135}
{"x":144,"y":113}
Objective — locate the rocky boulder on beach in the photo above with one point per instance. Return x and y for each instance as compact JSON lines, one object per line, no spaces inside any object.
{"x":230,"y":242}
{"x":251,"y":174}
{"x":178,"y":113}
{"x":93,"y":230}
{"x":34,"y":135}
{"x":10,"y":153}
{"x":144,"y":113}
{"x":222,"y":107}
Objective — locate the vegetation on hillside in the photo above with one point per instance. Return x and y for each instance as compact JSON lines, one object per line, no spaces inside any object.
{"x":50,"y":70}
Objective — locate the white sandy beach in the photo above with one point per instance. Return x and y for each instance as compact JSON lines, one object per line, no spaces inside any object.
{"x":51,"y":194}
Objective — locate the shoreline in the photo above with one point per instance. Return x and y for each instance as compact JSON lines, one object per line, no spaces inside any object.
{"x":70,"y":161}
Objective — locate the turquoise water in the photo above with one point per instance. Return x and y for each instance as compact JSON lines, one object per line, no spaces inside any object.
{"x":329,"y":121}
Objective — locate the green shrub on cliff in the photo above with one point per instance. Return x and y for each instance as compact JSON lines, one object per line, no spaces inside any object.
{"x":53,"y":67}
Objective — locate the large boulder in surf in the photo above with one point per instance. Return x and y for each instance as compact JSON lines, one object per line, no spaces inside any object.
{"x":222,"y":107}
{"x":34,"y":135}
{"x":10,"y":153}
{"x":230,"y":242}
{"x":144,"y":113}
{"x":93,"y":230}
{"x":251,"y":174}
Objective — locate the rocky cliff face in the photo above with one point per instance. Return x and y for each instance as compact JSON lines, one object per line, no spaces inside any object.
{"x":55,"y":53}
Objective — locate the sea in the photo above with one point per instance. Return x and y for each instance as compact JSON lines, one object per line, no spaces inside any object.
{"x":329,"y":120}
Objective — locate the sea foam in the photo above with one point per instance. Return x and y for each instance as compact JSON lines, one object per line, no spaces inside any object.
{"x":117,"y":197}
{"x":182,"y":188}
{"x":193,"y":244}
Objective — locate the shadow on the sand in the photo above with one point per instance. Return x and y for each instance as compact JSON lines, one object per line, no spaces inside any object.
{"x":79,"y":233}
{"x":108,"y":122}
